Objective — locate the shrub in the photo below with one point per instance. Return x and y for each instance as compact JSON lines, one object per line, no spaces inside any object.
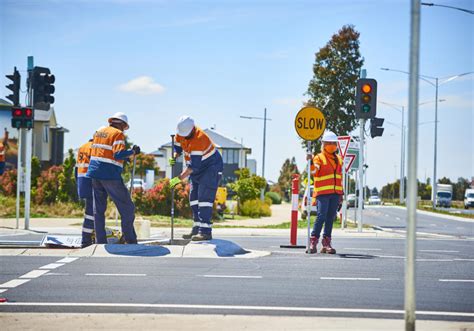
{"x":275,"y":197}
{"x":255,"y":208}
{"x":157,"y":201}
{"x":8,"y":183}
{"x":48,"y":186}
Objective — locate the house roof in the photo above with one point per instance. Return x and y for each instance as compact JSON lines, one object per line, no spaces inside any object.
{"x":5,"y":105}
{"x":157,"y":153}
{"x":220,"y":140}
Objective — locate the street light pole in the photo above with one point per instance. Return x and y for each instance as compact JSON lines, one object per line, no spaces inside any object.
{"x":265,"y":119}
{"x":436,"y":84}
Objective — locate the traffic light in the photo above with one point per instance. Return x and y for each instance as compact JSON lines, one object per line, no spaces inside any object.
{"x":23,"y":117}
{"x":42,"y":83}
{"x":376,"y":129}
{"x":366,"y":98}
{"x":14,"y":87}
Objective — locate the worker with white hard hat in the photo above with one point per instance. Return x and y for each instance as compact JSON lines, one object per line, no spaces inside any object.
{"x":326,"y":169}
{"x":108,"y":153}
{"x":204,"y":168}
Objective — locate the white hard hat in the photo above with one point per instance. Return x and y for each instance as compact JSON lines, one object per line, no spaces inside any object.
{"x":185,"y":126}
{"x":121,"y":117}
{"x":329,"y":137}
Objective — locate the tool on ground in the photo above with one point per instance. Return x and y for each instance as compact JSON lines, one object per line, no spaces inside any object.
{"x":172,"y":192}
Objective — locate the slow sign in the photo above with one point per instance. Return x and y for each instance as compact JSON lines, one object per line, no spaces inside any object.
{"x":310,"y":123}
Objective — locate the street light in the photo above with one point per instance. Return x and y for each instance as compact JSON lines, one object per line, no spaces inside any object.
{"x":450,"y":7}
{"x":264,"y":119}
{"x":400,"y":109}
{"x":437,"y":82}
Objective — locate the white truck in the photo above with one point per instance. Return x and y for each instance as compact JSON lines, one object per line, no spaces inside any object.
{"x":469,"y":198}
{"x":444,"y":195}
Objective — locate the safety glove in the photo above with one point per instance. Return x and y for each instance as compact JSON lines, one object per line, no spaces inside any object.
{"x":175,"y":181}
{"x":136,"y":149}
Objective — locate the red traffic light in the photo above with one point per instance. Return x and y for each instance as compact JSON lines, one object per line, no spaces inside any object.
{"x":28,"y":112}
{"x":366,"y":88}
{"x":17,"y":112}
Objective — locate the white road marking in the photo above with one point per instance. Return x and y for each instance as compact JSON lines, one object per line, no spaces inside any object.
{"x":437,"y":251}
{"x":34,"y":274}
{"x":347,"y":278}
{"x":67,"y":260}
{"x":364,"y":249}
{"x":14,"y":283}
{"x":398,"y":218}
{"x":472,"y":260}
{"x":457,"y":280}
{"x":52,"y":266}
{"x":57,"y":274}
{"x":433,"y":224}
{"x":228,"y":307}
{"x":434,"y":260}
{"x":119,"y":275}
{"x":230,"y":276}
{"x":390,"y":256}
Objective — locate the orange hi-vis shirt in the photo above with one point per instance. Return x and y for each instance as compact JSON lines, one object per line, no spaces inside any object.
{"x":327,"y":174}
{"x":108,"y":154}
{"x":197,"y":150}
{"x":83,"y":159}
{"x":107,"y":142}
{"x":2,"y":152}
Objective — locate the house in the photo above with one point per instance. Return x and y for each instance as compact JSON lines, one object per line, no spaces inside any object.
{"x":234,"y":155}
{"x":48,"y":136}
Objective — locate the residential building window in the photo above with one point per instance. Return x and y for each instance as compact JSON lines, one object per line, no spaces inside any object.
{"x":46,"y":133}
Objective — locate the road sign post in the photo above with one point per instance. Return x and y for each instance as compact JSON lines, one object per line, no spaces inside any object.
{"x":343,"y":143}
{"x":310,"y":124}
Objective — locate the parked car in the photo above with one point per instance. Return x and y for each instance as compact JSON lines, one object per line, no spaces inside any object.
{"x":351,"y":200}
{"x":374,"y":200}
{"x":469,"y":198}
{"x":138,"y":183}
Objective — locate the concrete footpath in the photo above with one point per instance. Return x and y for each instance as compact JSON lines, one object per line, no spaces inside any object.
{"x":74,"y":321}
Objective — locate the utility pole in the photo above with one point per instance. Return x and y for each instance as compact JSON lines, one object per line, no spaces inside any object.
{"x":435,"y":161}
{"x":412,"y":187}
{"x":28,"y":149}
{"x":363,"y":74}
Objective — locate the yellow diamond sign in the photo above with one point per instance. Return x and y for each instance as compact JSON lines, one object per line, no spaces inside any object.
{"x":310,"y":123}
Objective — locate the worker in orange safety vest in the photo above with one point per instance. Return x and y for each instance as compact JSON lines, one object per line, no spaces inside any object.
{"x":326,"y":169}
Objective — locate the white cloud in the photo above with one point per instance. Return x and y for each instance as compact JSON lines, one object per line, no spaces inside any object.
{"x":142,"y":85}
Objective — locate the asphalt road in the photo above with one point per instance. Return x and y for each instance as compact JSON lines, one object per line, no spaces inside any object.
{"x":394,"y":218}
{"x":365,"y":279}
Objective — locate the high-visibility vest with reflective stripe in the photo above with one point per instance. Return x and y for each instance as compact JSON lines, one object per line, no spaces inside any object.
{"x":328,"y":179}
{"x":2,"y":152}
{"x":200,"y":144}
{"x":83,"y":159}
{"x":108,"y":141}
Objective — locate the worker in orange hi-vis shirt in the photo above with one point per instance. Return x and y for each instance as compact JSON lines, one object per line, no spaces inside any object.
{"x":3,"y":150}
{"x":105,"y":168}
{"x":326,"y":169}
{"x":84,"y":191}
{"x":204,"y":168}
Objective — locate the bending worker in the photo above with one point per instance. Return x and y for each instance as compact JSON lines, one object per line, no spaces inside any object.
{"x":326,"y":168}
{"x":107,"y":156}
{"x":3,"y":148}
{"x":204,"y":168}
{"x":84,"y":191}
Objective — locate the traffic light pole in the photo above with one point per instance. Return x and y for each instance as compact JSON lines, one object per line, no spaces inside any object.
{"x":28,"y":152}
{"x":361,"y":174}
{"x":18,"y":179}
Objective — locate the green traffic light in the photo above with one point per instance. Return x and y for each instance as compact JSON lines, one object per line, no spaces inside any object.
{"x":366,"y":108}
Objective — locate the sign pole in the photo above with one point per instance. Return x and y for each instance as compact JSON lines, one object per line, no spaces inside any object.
{"x":18,"y":180}
{"x":308,"y":197}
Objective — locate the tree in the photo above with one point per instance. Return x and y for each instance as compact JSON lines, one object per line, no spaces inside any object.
{"x":145,"y":162}
{"x":332,"y":88}
{"x":288,"y":169}
{"x":67,"y":182}
{"x":247,"y":187}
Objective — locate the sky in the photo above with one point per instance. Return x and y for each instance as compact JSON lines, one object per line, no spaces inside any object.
{"x":217,"y":60}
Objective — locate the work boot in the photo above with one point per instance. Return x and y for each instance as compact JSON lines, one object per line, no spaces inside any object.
{"x":201,"y":237}
{"x":189,"y":235}
{"x":313,"y":244}
{"x":327,"y":248}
